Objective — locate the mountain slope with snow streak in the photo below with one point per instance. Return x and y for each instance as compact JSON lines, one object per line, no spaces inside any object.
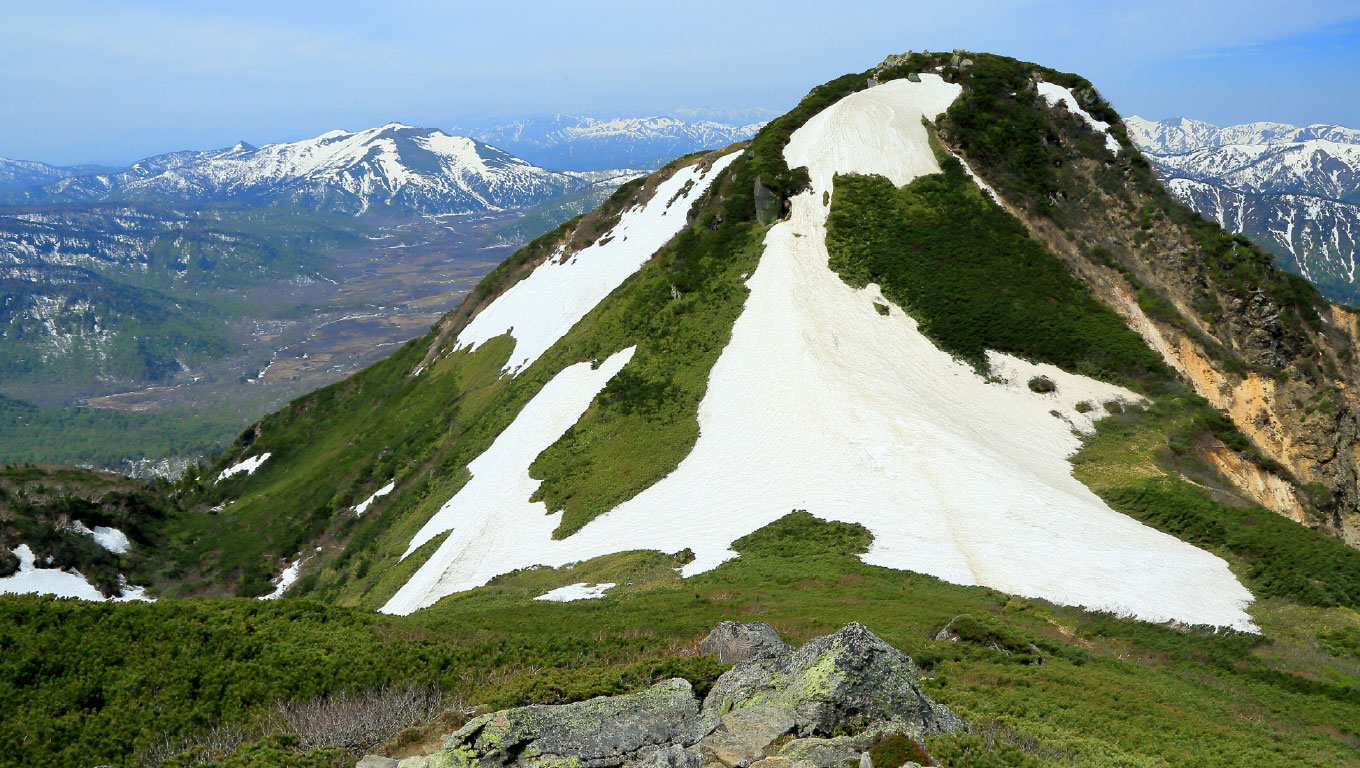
{"x":955,"y":475}
{"x":539,"y":309}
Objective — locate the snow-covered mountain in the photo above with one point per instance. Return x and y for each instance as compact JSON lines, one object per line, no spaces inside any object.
{"x":579,"y":143}
{"x":392,"y":167}
{"x":1181,"y":134}
{"x":19,"y":174}
{"x":1294,"y":190}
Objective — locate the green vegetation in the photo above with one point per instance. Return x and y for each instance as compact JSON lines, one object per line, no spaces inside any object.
{"x":98,"y":682}
{"x":974,"y":279}
{"x":83,"y":435}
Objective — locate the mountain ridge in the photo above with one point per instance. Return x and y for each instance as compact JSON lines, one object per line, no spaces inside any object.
{"x":581,"y":142}
{"x":394,"y":167}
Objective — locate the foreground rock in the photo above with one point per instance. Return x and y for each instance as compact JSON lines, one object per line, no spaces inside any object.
{"x":840,"y":683}
{"x":606,"y":731}
{"x":821,"y":706}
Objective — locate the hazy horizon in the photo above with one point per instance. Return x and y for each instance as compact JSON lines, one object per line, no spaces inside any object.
{"x":90,"y":83}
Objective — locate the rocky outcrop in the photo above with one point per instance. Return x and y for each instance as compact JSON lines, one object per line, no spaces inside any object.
{"x":814,"y":707}
{"x":847,"y":680}
{"x":732,"y":642}
{"x":605,"y":731}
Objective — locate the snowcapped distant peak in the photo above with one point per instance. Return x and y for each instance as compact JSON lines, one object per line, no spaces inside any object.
{"x":394,"y":166}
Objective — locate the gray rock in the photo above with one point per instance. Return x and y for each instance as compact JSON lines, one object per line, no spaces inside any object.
{"x":732,"y":642}
{"x":420,"y":761}
{"x":744,"y":735}
{"x":9,"y":563}
{"x":601,"y":732}
{"x":673,"y":756}
{"x":838,"y":751}
{"x":842,"y":682}
{"x":781,"y":762}
{"x":375,"y":761}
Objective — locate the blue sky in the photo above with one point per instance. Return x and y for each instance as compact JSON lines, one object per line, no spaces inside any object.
{"x":111,"y":82}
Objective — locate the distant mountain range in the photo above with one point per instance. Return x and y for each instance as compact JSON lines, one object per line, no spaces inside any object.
{"x":1294,"y":190}
{"x":394,"y":167}
{"x":579,"y":143}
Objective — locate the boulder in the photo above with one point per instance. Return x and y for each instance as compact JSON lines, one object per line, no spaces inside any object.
{"x":840,"y":683}
{"x":375,"y":761}
{"x":732,"y":642}
{"x":598,"y":733}
{"x":9,"y":563}
{"x":744,"y":735}
{"x":839,"y":695}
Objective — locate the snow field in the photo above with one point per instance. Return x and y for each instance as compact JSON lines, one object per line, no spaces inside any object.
{"x":577,"y":591}
{"x":541,"y":308}
{"x":819,"y":403}
{"x":1057,"y":95}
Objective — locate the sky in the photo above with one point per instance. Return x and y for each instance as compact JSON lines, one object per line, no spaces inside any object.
{"x":112,"y":82}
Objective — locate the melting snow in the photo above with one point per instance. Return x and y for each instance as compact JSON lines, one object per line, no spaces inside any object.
{"x":819,"y":403}
{"x":111,"y":539}
{"x":1057,"y":95}
{"x":542,"y":307}
{"x":492,"y":514}
{"x":31,"y":580}
{"x":366,"y":503}
{"x":578,"y":591}
{"x":286,"y":579}
{"x":247,"y":466}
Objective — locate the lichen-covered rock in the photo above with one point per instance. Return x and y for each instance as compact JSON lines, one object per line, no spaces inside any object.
{"x":745,"y":734}
{"x":840,"y":683}
{"x":673,"y":756}
{"x":732,"y":642}
{"x":598,"y":733}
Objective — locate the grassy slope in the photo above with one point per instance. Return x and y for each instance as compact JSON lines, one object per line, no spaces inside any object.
{"x":1110,"y":692}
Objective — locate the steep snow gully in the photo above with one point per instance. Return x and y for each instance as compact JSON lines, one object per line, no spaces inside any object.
{"x":819,"y":403}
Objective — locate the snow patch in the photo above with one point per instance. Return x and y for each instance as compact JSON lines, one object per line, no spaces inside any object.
{"x":366,"y":503}
{"x":111,"y":539}
{"x":32,"y":580}
{"x":578,"y":591}
{"x":819,"y":403}
{"x":1056,"y":95}
{"x":247,"y":466}
{"x":541,"y":308}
